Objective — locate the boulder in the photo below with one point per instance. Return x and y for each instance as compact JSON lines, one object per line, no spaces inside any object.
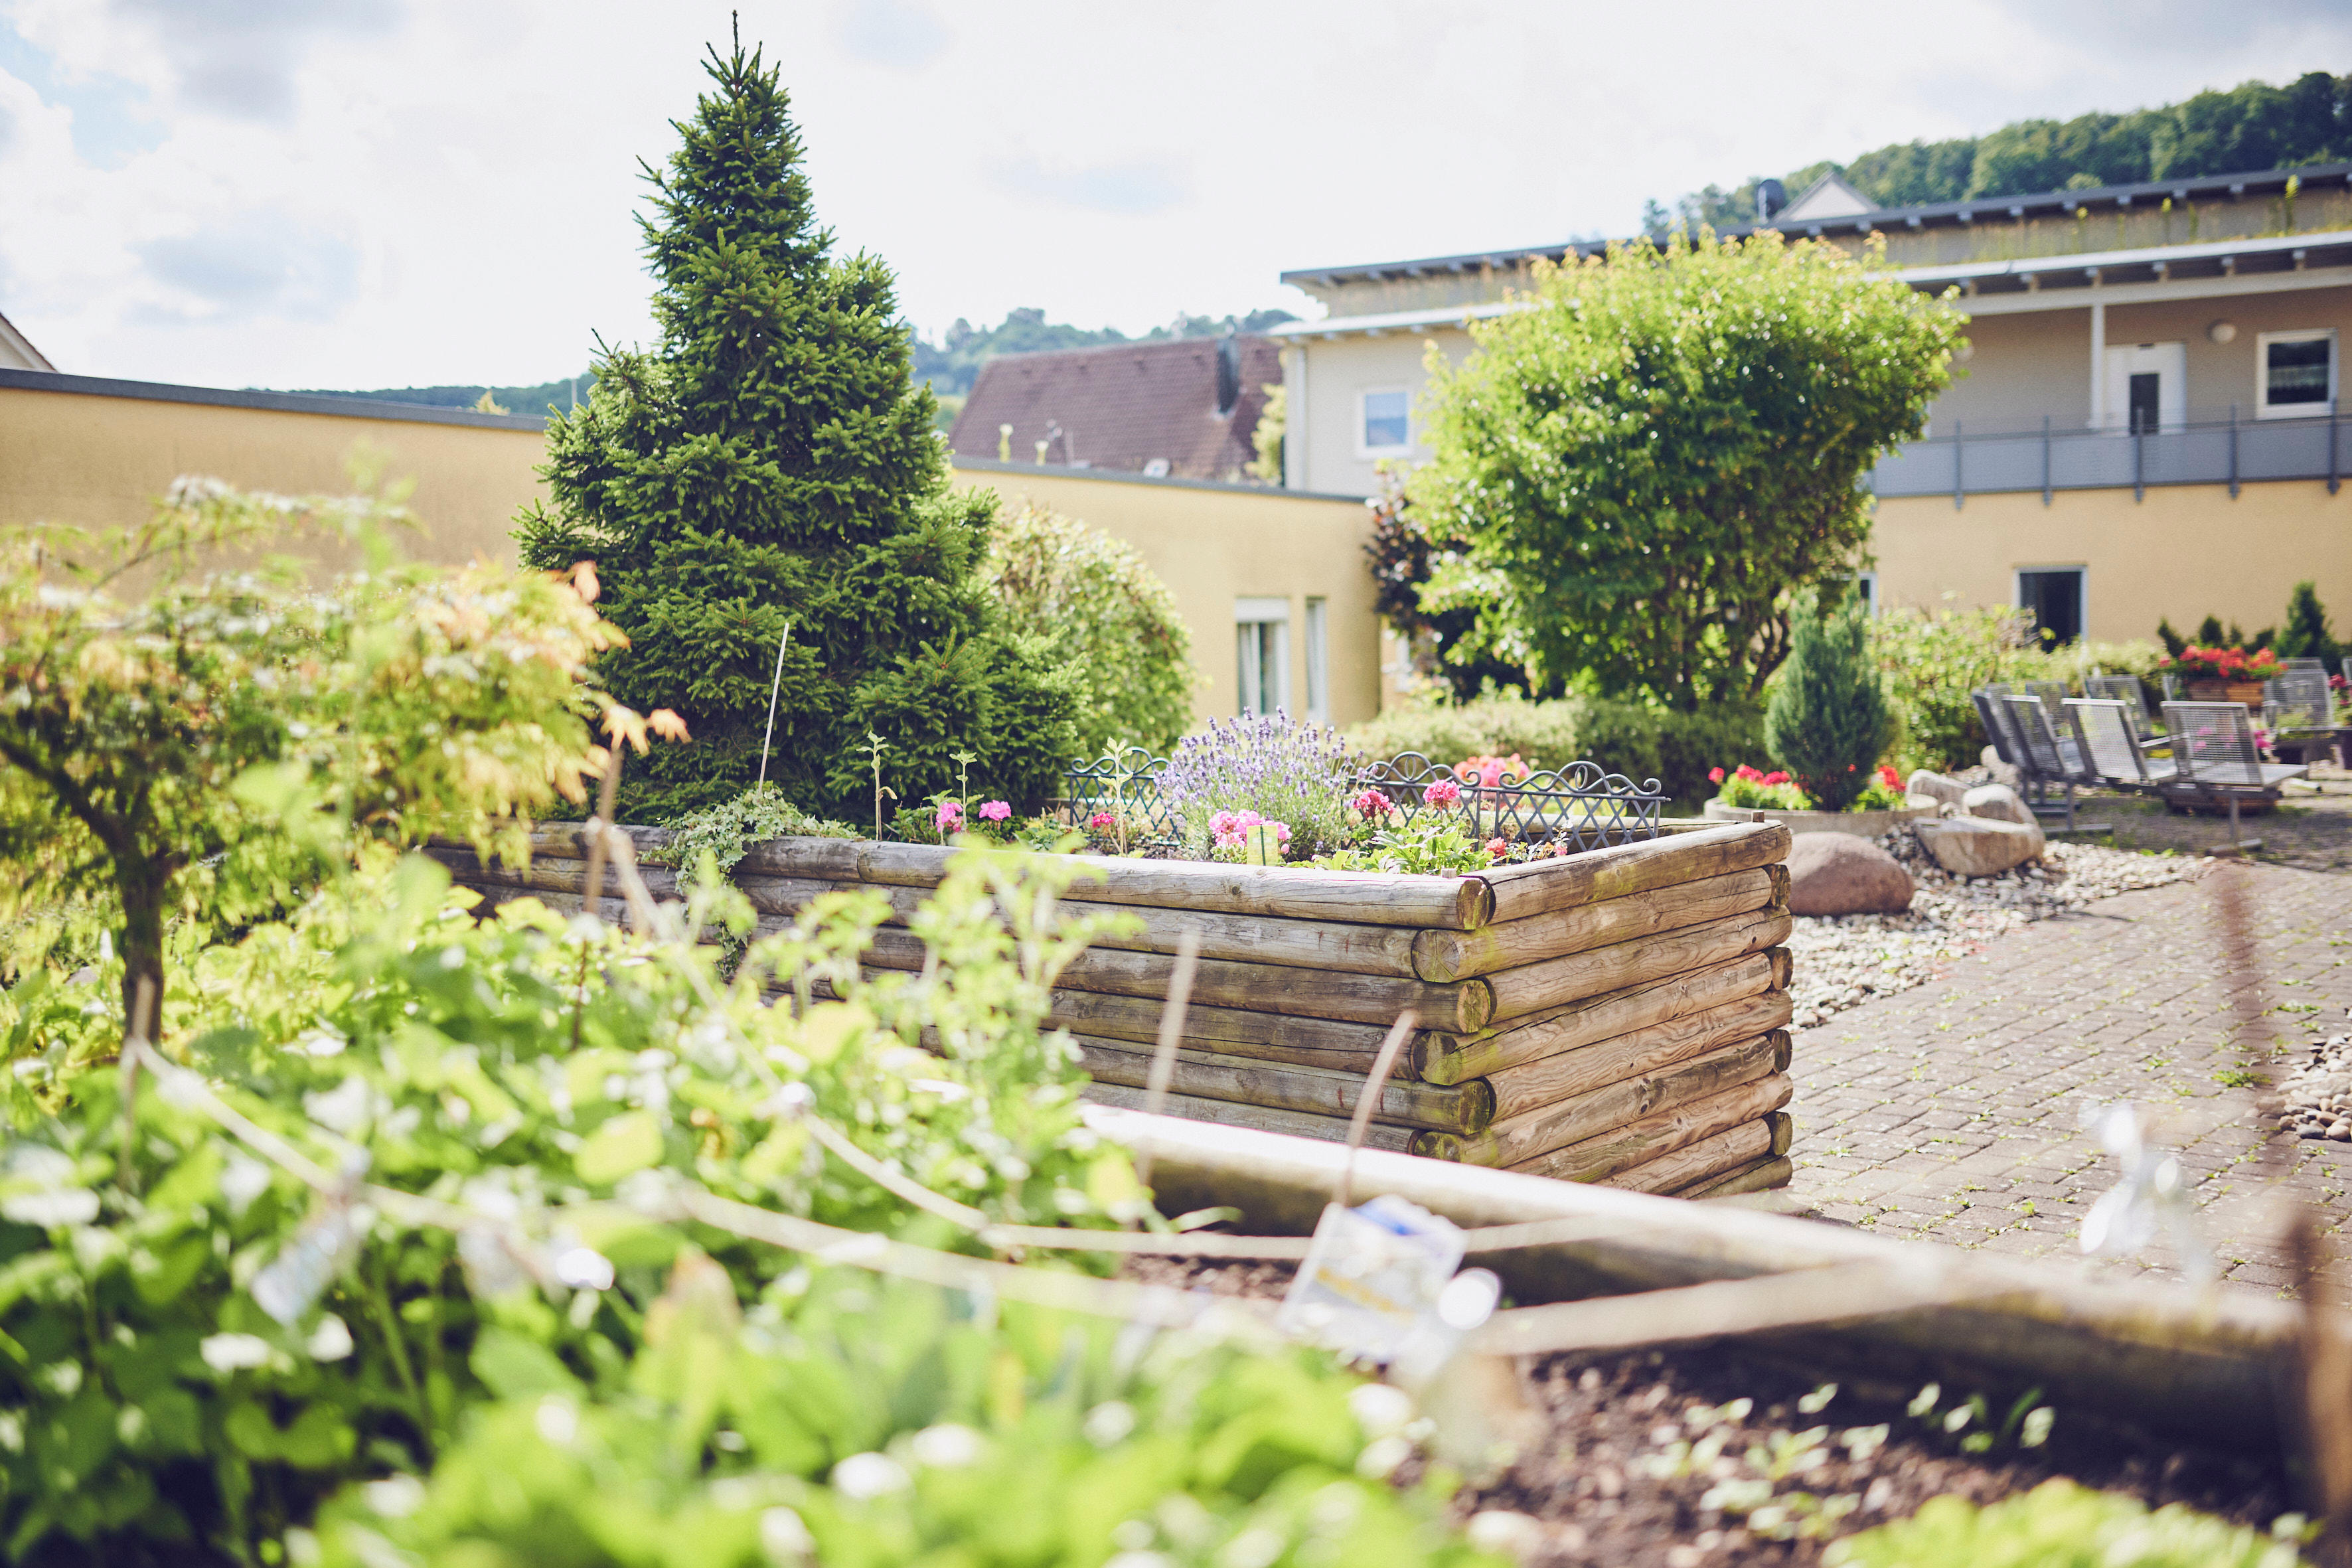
{"x":1999,"y":802}
{"x":1836,"y":873}
{"x":1936,"y":786}
{"x":2003,"y":773}
{"x":1979,"y":845}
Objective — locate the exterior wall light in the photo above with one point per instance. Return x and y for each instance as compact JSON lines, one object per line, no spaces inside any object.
{"x":2221,"y":331}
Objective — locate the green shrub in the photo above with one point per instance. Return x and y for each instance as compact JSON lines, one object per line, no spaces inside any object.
{"x":2306,"y":635}
{"x":1098,"y":606}
{"x":2059,"y":1524}
{"x":1633,"y":739}
{"x":1931,"y":660}
{"x":1828,"y":721}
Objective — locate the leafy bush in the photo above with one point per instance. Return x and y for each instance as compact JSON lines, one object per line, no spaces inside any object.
{"x":1932,"y":660}
{"x":1284,"y":771}
{"x":2059,"y":1524}
{"x":2306,"y":634}
{"x":1828,"y":721}
{"x":1445,"y":629}
{"x":1099,"y":607}
{"x":725,"y":831}
{"x":206,"y":1359}
{"x":1749,"y":789}
{"x":1630,"y":738}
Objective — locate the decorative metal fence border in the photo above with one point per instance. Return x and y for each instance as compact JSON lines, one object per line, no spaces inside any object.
{"x":1583,"y":805}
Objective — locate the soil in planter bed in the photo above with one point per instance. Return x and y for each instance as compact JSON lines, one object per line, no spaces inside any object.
{"x":1606,"y":1414}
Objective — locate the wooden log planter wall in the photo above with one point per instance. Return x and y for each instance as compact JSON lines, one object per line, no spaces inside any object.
{"x":1616,"y":1016}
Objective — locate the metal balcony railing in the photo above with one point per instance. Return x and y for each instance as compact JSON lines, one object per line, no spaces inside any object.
{"x":2232,"y":451}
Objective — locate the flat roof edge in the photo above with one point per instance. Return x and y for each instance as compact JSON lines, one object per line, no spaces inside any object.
{"x":274,"y":401}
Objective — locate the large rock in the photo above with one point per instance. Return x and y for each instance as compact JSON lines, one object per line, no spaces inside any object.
{"x":1979,"y":845}
{"x":1999,"y":802}
{"x":1834,"y":874}
{"x":1937,"y":787}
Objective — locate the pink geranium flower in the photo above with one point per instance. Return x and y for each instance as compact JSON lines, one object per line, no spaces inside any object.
{"x":1715,"y":775}
{"x":950,"y":816}
{"x":1497,"y":847}
{"x":995,"y":811}
{"x":1102,"y":822}
{"x":1444,"y":791}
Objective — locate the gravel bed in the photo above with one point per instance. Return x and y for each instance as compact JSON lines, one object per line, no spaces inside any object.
{"x":1844,"y":961}
{"x":2318,"y":1094}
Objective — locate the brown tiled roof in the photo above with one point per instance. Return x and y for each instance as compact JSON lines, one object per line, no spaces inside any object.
{"x":1126,"y":406}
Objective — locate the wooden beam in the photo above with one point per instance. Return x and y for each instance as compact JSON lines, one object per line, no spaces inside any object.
{"x":1544,"y":887}
{"x":1441,"y":956}
{"x":1520,"y":1139}
{"x":1550,"y":1079}
{"x":1450,"y":1059}
{"x":1469,"y":1110}
{"x":1599,"y":1157}
{"x":1700,"y":1163}
{"x":1518,"y":992}
{"x":1260,"y":1118}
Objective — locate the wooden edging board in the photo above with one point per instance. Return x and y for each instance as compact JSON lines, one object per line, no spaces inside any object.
{"x":2194,"y":1363}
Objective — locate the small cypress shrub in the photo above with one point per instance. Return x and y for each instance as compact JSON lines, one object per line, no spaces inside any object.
{"x":1829,"y":719}
{"x":2306,"y":635}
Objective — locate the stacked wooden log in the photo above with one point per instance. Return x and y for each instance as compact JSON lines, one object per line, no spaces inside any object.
{"x":1616,"y":1016}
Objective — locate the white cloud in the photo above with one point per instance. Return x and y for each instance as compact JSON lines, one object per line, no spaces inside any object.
{"x":381,"y":192}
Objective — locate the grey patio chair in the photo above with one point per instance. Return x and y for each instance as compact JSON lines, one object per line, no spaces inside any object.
{"x":1992,"y":711}
{"x":2294,"y":664}
{"x":2214,"y":754}
{"x":2109,"y":737}
{"x":2128,"y":691}
{"x":2171,"y":687}
{"x":2051,"y":693}
{"x":2051,"y":759}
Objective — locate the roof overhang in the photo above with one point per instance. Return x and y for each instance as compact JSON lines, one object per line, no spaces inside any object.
{"x":1456,"y":316}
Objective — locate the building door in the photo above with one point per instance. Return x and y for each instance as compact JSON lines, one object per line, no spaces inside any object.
{"x":2147,"y":386}
{"x":2055,"y":597}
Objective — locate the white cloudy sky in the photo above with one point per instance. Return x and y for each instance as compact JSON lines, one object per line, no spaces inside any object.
{"x":372,"y":193}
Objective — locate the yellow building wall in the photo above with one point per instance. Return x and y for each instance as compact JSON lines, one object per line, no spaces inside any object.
{"x":99,"y":462}
{"x":2184,"y":552}
{"x":1212,"y":544}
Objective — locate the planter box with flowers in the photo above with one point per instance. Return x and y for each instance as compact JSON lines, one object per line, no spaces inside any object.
{"x":2223,"y":674}
{"x":1880,"y":808}
{"x":1592,"y":1001}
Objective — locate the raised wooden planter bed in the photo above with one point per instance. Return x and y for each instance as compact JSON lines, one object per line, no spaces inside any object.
{"x":1617,"y":1016}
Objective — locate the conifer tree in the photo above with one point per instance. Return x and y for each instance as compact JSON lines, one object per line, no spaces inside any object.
{"x":2306,"y":635}
{"x":1828,"y":721}
{"x":771,"y":460}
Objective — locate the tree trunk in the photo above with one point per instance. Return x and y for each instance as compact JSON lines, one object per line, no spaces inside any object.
{"x":143,"y":885}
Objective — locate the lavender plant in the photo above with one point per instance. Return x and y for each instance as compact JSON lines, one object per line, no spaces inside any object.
{"x":1269,"y":764}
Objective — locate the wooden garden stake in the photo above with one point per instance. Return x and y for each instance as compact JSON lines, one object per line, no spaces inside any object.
{"x":1399,"y":1032}
{"x":1171,"y":1030}
{"x":775,"y":689}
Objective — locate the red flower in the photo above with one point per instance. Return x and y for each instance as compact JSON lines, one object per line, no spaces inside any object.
{"x":1495,"y":848}
{"x":1776,"y":777}
{"x":1715,"y":775}
{"x":1888,"y":778}
{"x":1749,"y":773}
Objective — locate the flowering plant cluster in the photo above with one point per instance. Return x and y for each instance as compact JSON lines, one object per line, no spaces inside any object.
{"x":1284,"y":771}
{"x":1492,"y":772}
{"x":1442,"y":795}
{"x":1749,"y":790}
{"x":2196,"y":663}
{"x":1374,"y":806}
{"x":1430,"y":845}
{"x":1246,"y":836}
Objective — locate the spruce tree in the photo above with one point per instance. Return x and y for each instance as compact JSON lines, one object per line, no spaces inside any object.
{"x":2306,"y":635}
{"x":771,"y":460}
{"x":1828,"y":721}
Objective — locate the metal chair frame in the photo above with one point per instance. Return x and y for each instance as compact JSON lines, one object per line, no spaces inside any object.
{"x":2217,"y":762}
{"x":2108,"y":739}
{"x":2049,"y":761}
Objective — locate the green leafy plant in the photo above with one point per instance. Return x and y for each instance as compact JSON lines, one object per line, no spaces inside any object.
{"x":1931,"y":661}
{"x":1648,"y":459}
{"x":2059,"y":1524}
{"x":1104,"y":615}
{"x":1639,"y":740}
{"x":1828,"y":721}
{"x":206,"y":750}
{"x":771,"y":460}
{"x":726,"y":830}
{"x":1431,"y":843}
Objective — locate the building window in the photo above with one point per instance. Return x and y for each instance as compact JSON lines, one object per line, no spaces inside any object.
{"x":1261,"y":647}
{"x":1318,"y":661}
{"x":2297,"y":371}
{"x":2054,"y":594}
{"x":1865,"y":587}
{"x":1386,"y":426}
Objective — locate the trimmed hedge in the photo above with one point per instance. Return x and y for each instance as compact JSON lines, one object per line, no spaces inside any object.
{"x":1630,"y":738}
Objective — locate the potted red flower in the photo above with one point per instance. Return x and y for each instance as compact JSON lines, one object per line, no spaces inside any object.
{"x":2224,"y":674}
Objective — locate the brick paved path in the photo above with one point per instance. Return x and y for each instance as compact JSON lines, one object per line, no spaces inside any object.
{"x":1949,"y":1112}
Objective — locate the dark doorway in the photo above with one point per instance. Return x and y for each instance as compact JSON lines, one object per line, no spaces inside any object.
{"x":2056,"y":597}
{"x":2143,"y":403}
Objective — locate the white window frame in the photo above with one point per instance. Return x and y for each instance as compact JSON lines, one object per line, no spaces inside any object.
{"x":1869,"y":581}
{"x":1364,"y":418}
{"x":2082,"y":591}
{"x":1261,"y":637}
{"x":1318,"y":661}
{"x":2262,"y":409}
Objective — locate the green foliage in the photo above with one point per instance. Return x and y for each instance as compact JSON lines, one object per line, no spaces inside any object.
{"x":771,"y":462}
{"x":1266,"y":439}
{"x":1637,"y":740}
{"x":2059,"y":1524}
{"x":2306,"y":635}
{"x":726,"y":830}
{"x":521,"y":1068}
{"x":1443,"y":624}
{"x":1648,"y":459}
{"x":1103,"y":615}
{"x":1429,"y":844}
{"x":1931,"y":660}
{"x":2251,"y":126}
{"x":540,"y":401}
{"x":209,"y":748}
{"x":1828,"y":720}
{"x":1750,"y":794}
{"x":1286,"y":771}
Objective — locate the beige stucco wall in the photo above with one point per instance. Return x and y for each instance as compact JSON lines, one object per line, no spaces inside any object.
{"x":2184,"y":552}
{"x":1212,"y":544}
{"x":99,"y":462}
{"x":1337,"y":372}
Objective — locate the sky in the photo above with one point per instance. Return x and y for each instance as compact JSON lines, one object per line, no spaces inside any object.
{"x":387,"y":192}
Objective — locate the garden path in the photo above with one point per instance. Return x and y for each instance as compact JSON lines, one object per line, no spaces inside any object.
{"x":1949,"y":1112}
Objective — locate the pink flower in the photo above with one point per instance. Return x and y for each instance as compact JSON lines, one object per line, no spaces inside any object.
{"x":1715,"y":775}
{"x":1495,"y":848}
{"x":1102,"y":822}
{"x":1776,"y":777}
{"x":1491,"y":774}
{"x":1221,"y":823}
{"x":950,"y":816}
{"x":995,"y":811}
{"x":1444,"y":791}
{"x":1749,"y":773}
{"x":1374,"y":803}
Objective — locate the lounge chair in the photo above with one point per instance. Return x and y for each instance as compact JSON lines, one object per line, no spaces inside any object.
{"x":2050,"y":759}
{"x":2127,"y":689}
{"x":2107,"y":733}
{"x":2216,"y":759}
{"x":2299,"y":710}
{"x":2051,"y":693}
